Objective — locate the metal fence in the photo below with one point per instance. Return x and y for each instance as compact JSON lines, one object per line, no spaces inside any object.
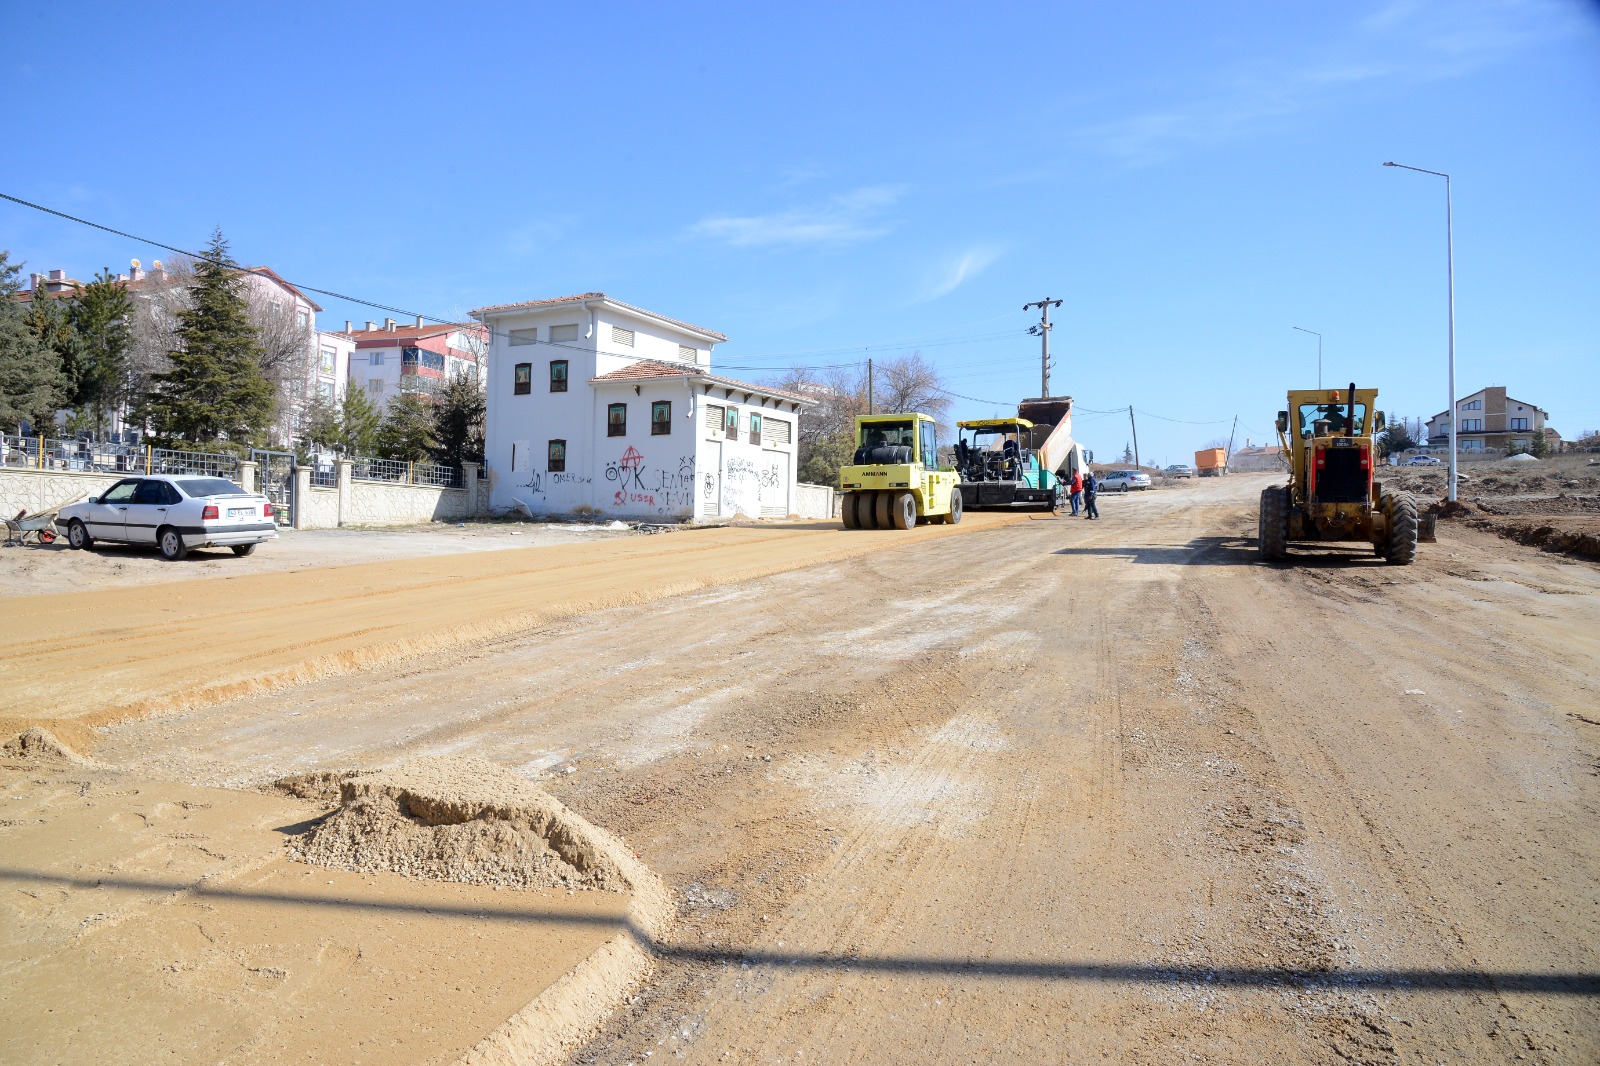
{"x":401,"y":472}
{"x":105,"y":457}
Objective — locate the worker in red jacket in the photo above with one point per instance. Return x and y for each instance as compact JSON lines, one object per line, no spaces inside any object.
{"x":1077,"y":491}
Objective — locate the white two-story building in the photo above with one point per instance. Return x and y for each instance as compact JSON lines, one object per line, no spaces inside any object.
{"x":599,"y":407}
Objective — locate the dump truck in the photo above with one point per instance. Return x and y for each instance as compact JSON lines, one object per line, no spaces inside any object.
{"x":893,"y":480}
{"x":1024,"y":462}
{"x":1211,"y":462}
{"x":1330,"y":437}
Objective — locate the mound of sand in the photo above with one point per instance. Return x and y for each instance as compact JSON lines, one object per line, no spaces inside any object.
{"x":452,"y":819}
{"x":36,"y":744}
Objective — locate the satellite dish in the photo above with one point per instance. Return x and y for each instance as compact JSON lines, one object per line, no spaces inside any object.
{"x":137,"y":264}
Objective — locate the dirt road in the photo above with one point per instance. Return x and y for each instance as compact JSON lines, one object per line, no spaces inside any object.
{"x":1052,"y":791}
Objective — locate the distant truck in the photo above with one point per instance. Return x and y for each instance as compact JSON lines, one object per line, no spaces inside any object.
{"x":1211,"y":462}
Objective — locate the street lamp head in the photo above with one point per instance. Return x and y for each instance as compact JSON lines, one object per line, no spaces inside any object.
{"x":1391,"y":164}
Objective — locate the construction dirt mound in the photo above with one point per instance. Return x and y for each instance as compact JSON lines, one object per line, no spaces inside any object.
{"x":36,"y":744}
{"x":451,"y":819}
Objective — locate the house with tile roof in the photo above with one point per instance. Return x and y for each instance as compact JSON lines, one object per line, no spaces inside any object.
{"x":392,"y":359}
{"x":1489,"y":420}
{"x":596,"y":406}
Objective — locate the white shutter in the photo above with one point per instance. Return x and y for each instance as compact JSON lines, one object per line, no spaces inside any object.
{"x":775,"y":431}
{"x":686,"y":352}
{"x":564,"y":333}
{"x":524,"y":336}
{"x":622,"y":336}
{"x":715,"y":414}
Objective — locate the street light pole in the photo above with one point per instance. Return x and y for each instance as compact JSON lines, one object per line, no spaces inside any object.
{"x":1450,"y":275}
{"x":1317,"y":335}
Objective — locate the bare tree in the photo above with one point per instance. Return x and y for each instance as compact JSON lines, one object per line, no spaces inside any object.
{"x":287,"y":355}
{"x":157,"y":300}
{"x":911,"y":383}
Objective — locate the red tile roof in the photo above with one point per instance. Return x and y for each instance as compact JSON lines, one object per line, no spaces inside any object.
{"x":647,"y":369}
{"x":388,"y":338}
{"x":585,"y":296}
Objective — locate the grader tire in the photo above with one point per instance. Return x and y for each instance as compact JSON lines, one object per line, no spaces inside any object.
{"x":847,"y":511}
{"x":954,"y":517}
{"x":904,"y":507}
{"x":883,"y":510}
{"x":1272,"y":525}
{"x":1400,"y":545}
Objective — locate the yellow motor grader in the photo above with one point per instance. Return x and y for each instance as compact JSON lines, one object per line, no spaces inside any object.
{"x":1329,"y":437}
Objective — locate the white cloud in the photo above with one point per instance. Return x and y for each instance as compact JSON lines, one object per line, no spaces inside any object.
{"x":957,"y":270}
{"x":844,"y":219}
{"x":1405,"y":42}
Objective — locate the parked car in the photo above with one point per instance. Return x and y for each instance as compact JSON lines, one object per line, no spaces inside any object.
{"x":1124,"y":481}
{"x":173,"y":512}
{"x":1180,"y":470}
{"x":1423,"y":460}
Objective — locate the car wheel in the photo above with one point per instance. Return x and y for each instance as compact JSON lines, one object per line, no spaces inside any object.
{"x":78,"y":536}
{"x":172,"y":546}
{"x":243,"y":549}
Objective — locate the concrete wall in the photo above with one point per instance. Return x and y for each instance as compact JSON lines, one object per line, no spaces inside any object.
{"x":43,"y":490}
{"x":382,"y":503}
{"x":318,"y":508}
{"x":816,"y":501}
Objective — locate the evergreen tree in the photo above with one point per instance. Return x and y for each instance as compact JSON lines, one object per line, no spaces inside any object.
{"x":1539,"y":444}
{"x":407,"y":429}
{"x":101,"y":319}
{"x":458,"y":412}
{"x":319,"y":424}
{"x":214,"y":388}
{"x":358,"y":423}
{"x":32,"y":385}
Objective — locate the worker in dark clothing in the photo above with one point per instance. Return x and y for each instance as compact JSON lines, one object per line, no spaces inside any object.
{"x":1091,"y":489}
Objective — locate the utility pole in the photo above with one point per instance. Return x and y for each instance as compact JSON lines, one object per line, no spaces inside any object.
{"x":869,"y":387}
{"x":1042,"y":331}
{"x":1135,"y":436}
{"x":1227,"y":457}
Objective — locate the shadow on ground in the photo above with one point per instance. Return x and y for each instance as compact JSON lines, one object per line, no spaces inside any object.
{"x":1238,"y":551}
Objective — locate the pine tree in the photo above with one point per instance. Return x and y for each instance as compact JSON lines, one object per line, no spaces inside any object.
{"x":215,"y":388}
{"x":32,"y":385}
{"x":319,"y":424}
{"x":101,"y":318}
{"x":358,"y":423}
{"x":458,"y":412}
{"x":407,"y":429}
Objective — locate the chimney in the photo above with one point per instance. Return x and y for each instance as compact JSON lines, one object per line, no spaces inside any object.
{"x":347,"y":325}
{"x":388,"y":324}
{"x":371,"y":326}
{"x":419,"y":321}
{"x":136,"y":271}
{"x":38,"y":282}
{"x":58,"y":275}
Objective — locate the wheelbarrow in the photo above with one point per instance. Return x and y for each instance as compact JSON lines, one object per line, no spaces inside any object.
{"x":30,"y":528}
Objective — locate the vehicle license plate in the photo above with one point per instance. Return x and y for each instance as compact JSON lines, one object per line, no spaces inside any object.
{"x":241,"y":512}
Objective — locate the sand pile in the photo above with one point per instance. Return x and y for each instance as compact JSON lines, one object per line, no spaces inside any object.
{"x":453,"y":819}
{"x":36,"y":744}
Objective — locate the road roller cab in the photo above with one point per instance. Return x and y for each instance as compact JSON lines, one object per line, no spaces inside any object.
{"x":894,"y":480}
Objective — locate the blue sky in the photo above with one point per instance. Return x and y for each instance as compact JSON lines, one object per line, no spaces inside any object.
{"x":825,"y":182}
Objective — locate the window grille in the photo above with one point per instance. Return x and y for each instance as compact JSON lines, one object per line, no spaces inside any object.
{"x":617,"y":420}
{"x":524,"y":336}
{"x":556,"y":460}
{"x":775,"y":431}
{"x":568,"y":332}
{"x":558,"y":375}
{"x":622,"y":336}
{"x":661,"y":418}
{"x":522,"y":383}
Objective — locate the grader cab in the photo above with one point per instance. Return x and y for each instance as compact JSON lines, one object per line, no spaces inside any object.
{"x":1330,"y":440}
{"x":894,"y":480}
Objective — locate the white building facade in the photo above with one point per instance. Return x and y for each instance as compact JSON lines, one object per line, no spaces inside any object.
{"x":391,"y":360}
{"x":599,"y":407}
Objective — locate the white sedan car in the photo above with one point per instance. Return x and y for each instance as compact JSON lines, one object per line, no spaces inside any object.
{"x":1124,"y":481}
{"x":174,"y":512}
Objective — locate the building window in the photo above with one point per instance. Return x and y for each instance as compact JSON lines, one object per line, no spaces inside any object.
{"x":300,"y":319}
{"x":556,"y":460}
{"x":375,"y":386}
{"x":774,"y":431}
{"x":755,"y":427}
{"x":374,"y":358}
{"x":617,"y":420}
{"x":730,"y":423}
{"x":1473,"y":405}
{"x":622,"y":336}
{"x":522,"y":381}
{"x":1519,"y":423}
{"x":714,"y":416}
{"x":686,"y":352}
{"x":660,"y":418}
{"x":1472,"y":425}
{"x":325,"y":390}
{"x":327,"y":360}
{"x":558,"y":375}
{"x":524,"y":336}
{"x":564,"y":333}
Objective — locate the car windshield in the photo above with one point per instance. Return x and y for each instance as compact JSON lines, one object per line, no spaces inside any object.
{"x":1333,"y":414}
{"x":898,"y":434}
{"x":196,"y":487}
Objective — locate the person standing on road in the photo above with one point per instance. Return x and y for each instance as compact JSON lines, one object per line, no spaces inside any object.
{"x":1076,"y":491}
{"x":1091,"y":489}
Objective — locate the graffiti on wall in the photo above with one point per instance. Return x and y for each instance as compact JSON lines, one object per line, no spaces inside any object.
{"x":639,"y":485}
